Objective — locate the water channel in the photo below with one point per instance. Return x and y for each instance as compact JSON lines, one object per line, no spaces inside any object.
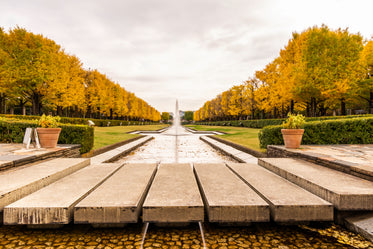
{"x":178,"y":145}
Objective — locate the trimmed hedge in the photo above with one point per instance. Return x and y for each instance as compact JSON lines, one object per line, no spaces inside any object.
{"x":83,"y":121}
{"x":260,"y":123}
{"x":343,"y":131}
{"x":13,"y":131}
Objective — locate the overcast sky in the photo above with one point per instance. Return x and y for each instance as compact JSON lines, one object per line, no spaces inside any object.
{"x":190,"y":50}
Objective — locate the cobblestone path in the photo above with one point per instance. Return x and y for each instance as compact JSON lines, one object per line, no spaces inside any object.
{"x":256,"y":236}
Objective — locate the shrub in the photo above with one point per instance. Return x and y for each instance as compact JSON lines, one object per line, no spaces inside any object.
{"x":77,"y":134}
{"x":83,"y":121}
{"x":342,"y":131}
{"x":13,"y":131}
{"x":48,"y":121}
{"x":294,"y":121}
{"x":260,"y":123}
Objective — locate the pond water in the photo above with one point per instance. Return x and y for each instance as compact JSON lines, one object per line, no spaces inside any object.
{"x":168,"y":148}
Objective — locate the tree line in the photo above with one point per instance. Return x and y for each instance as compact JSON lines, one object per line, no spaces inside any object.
{"x":37,"y":73}
{"x":319,"y":72}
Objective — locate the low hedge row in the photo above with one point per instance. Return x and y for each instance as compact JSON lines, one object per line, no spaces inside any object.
{"x":342,"y":131}
{"x":83,"y":121}
{"x":12,"y":131}
{"x":260,"y":123}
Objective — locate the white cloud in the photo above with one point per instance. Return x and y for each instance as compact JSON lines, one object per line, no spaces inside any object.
{"x":186,"y":49}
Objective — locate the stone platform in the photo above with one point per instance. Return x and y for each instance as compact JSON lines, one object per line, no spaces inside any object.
{"x":174,"y":196}
{"x":54,"y":204}
{"x":344,"y":191}
{"x":227,"y":198}
{"x":288,"y":202}
{"x":354,"y":159}
{"x":20,"y":182}
{"x":14,"y":155}
{"x":119,"y":199}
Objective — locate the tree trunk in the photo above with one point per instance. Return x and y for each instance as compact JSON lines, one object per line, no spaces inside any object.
{"x":292,"y":106}
{"x":371,"y":103}
{"x":313,"y":107}
{"x":36,"y":106}
{"x":59,"y":110}
{"x":282,"y":111}
{"x":2,"y":103}
{"x":343,"y":107}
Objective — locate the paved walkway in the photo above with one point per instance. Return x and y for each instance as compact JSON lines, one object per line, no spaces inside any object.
{"x":355,"y":159}
{"x":14,"y":155}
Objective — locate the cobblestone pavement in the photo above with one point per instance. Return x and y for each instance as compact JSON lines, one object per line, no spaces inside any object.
{"x":256,"y":236}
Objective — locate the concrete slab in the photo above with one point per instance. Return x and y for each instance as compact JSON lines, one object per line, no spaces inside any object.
{"x":288,"y":202}
{"x":119,"y":199}
{"x":344,"y":191}
{"x":238,"y":155}
{"x":54,"y":203}
{"x":227,"y":198}
{"x":353,"y":159}
{"x":174,"y":196}
{"x":18,"y":183}
{"x":14,"y":155}
{"x":362,"y":224}
{"x":114,"y":154}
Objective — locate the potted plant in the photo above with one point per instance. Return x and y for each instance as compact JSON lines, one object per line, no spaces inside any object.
{"x":292,"y":132}
{"x":48,"y":132}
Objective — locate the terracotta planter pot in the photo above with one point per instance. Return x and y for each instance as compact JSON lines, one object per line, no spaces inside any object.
{"x":48,"y":137}
{"x":292,"y":137}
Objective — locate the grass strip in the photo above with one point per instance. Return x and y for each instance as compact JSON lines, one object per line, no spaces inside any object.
{"x":113,"y":134}
{"x":247,"y":137}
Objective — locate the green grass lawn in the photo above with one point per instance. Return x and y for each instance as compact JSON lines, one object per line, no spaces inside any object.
{"x":113,"y":134}
{"x":247,"y":137}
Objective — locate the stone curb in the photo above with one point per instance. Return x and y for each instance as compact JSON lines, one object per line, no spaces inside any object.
{"x":110,"y":147}
{"x":66,"y":150}
{"x":144,"y":131}
{"x":239,"y":147}
{"x":345,"y":167}
{"x":194,"y":131}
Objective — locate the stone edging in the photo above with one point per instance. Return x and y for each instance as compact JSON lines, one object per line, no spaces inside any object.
{"x":66,"y":150}
{"x":110,"y":147}
{"x":194,"y":131}
{"x":155,"y":131}
{"x":239,"y":147}
{"x":345,"y":167}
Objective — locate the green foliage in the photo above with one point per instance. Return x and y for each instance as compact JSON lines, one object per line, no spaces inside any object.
{"x":261,"y":123}
{"x":188,"y":116}
{"x":77,"y":134}
{"x":165,"y":116}
{"x":49,"y":121}
{"x":294,"y":121}
{"x":13,"y":131}
{"x":83,"y":121}
{"x":343,"y":131}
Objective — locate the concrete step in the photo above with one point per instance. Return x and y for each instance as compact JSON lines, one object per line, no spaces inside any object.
{"x":288,"y":202}
{"x":119,"y":199}
{"x":344,"y":191}
{"x":114,"y":154}
{"x":227,"y":198}
{"x":362,"y":224}
{"x":174,"y":196}
{"x":18,"y":183}
{"x":353,"y":159}
{"x":54,"y":203}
